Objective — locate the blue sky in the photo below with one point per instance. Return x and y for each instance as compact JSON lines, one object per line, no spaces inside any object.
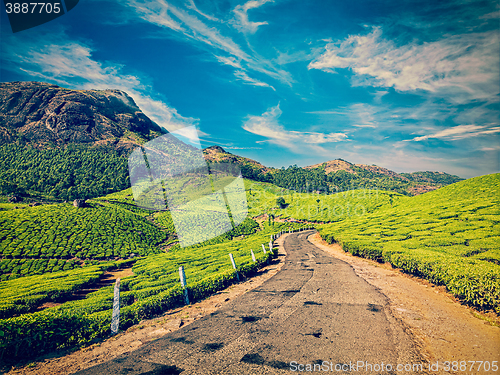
{"x":406,"y":85}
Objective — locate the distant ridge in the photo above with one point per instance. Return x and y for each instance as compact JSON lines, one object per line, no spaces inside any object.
{"x":249,"y":168}
{"x":334,"y":175}
{"x":66,"y":144}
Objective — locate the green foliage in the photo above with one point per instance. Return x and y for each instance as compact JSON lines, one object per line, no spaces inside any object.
{"x":281,"y":202}
{"x":153,"y":289}
{"x":21,"y":296}
{"x":262,"y":198}
{"x":450,"y":236}
{"x":76,"y":171}
{"x":56,"y":237}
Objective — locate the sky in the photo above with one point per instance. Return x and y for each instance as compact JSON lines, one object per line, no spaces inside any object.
{"x":406,"y":85}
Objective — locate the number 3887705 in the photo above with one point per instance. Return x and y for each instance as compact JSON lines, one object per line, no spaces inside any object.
{"x":39,"y":8}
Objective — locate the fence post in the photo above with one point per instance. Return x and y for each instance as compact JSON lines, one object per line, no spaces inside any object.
{"x":271,"y":246}
{"x":253,"y":256}
{"x":264,"y":248}
{"x":234,"y":266}
{"x":183,"y":283}
{"x":115,"y":317}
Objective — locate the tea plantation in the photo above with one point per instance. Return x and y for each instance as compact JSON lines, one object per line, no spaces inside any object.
{"x":450,"y":236}
{"x":48,"y":253}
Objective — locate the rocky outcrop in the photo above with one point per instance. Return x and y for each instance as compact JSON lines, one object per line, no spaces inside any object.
{"x":334,"y":166}
{"x":216,"y":154}
{"x":45,"y":114}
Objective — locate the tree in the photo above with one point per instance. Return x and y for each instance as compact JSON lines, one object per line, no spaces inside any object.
{"x":270,"y":219}
{"x":281,"y":202}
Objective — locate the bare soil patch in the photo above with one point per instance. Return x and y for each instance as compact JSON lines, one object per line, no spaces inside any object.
{"x":444,"y":329}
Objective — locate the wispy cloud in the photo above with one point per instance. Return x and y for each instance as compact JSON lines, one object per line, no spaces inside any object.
{"x":241,"y":21}
{"x":267,"y":125}
{"x":54,"y":58}
{"x":242,"y":148}
{"x":242,"y":75}
{"x":460,"y":132}
{"x":462,"y":67}
{"x":207,"y":33}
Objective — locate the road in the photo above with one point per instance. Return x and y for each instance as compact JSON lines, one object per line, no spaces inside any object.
{"x":315,"y":311}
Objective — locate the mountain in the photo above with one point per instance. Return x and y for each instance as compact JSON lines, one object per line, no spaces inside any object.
{"x":333,"y":166}
{"x":344,"y":175}
{"x":42,"y":114}
{"x":249,"y":168}
{"x":58,"y":143}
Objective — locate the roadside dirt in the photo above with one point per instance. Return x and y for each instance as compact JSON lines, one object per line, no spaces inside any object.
{"x":444,"y":329}
{"x":147,"y":330}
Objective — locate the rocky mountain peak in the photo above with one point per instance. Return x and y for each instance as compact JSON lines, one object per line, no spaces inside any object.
{"x":42,"y":113}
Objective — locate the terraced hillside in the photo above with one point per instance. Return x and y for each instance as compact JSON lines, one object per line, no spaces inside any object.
{"x":450,"y":236}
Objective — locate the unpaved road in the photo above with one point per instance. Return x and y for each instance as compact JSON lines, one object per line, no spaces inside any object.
{"x":438,"y":328}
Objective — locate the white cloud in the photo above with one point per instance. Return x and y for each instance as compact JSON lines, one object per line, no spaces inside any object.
{"x":231,"y":61}
{"x":460,"y":132}
{"x":241,"y":21}
{"x":192,"y":5}
{"x":207,"y":34}
{"x":242,"y":148}
{"x":54,"y":58}
{"x":462,"y":67}
{"x":240,"y":74}
{"x":267,"y":125}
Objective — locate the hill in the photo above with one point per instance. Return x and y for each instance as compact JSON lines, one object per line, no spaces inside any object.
{"x":450,"y":236}
{"x":342,"y":175}
{"x":62,"y":144}
{"x":58,"y":144}
{"x":249,"y":168}
{"x":42,"y":114}
{"x":66,"y":250}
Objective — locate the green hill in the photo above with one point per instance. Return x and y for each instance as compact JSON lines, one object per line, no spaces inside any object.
{"x":314,"y":207}
{"x":49,"y":238}
{"x":449,"y":236}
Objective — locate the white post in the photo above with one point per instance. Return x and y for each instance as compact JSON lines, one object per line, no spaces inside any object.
{"x":234,"y":266}
{"x":253,"y":256}
{"x":183,"y":283}
{"x":115,"y":317}
{"x":264,"y":248}
{"x":270,"y":245}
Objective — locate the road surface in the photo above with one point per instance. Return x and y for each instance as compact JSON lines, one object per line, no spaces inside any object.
{"x":314,"y":315}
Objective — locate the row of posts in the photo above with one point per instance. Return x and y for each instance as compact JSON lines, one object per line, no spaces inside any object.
{"x":115,"y":320}
{"x":182,"y":275}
